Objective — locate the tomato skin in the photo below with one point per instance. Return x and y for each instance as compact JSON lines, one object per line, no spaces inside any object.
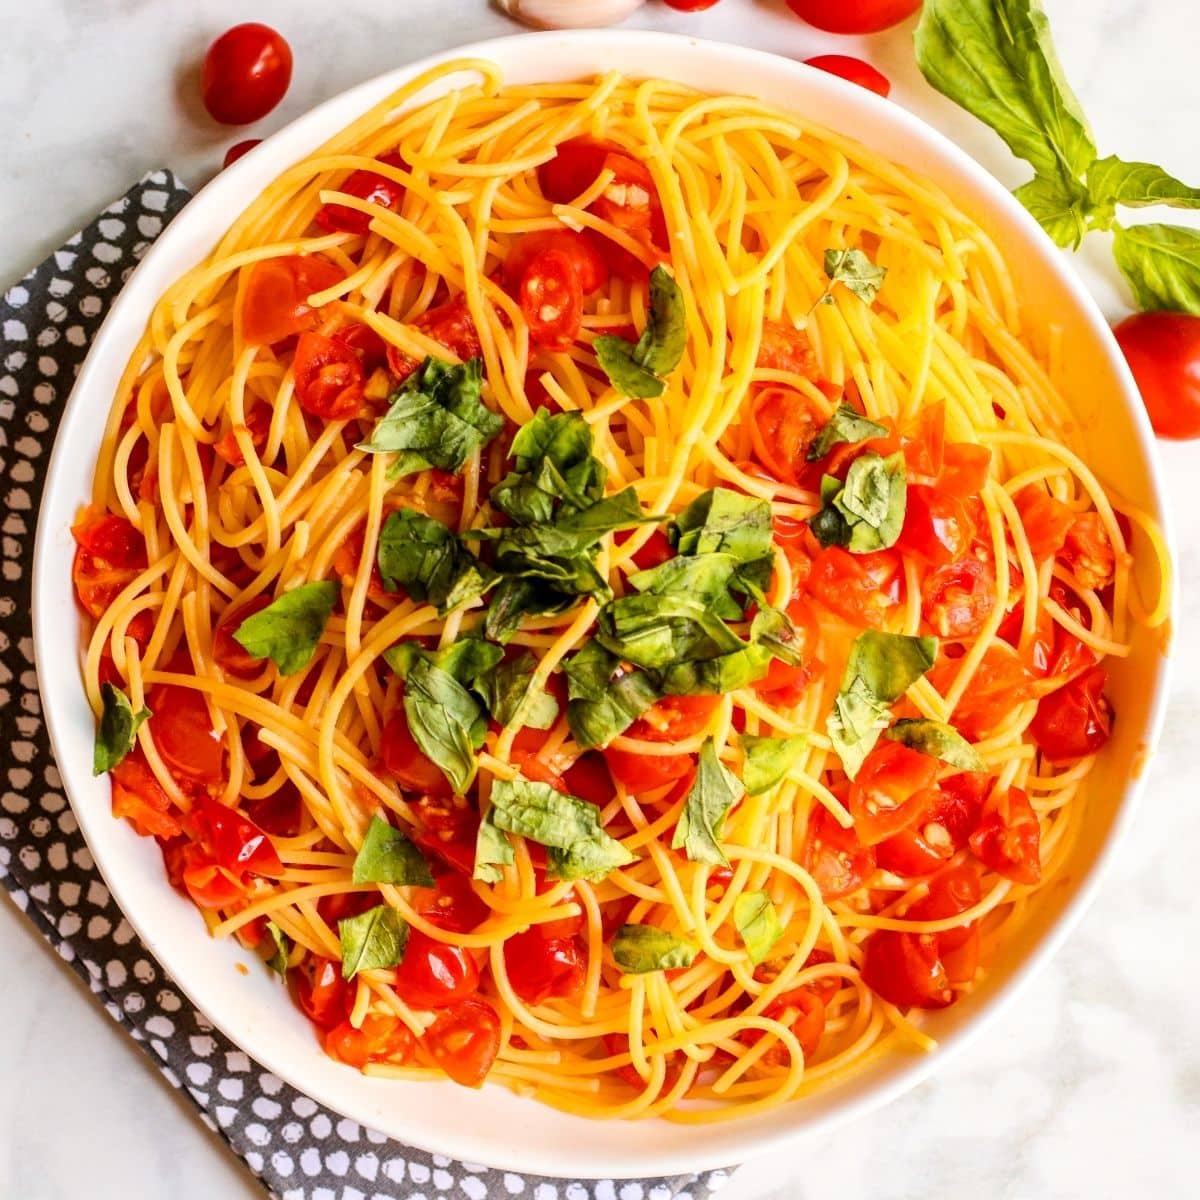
{"x":258,"y":426}
{"x":239,"y":150}
{"x":783,"y":425}
{"x":860,"y":588}
{"x":464,"y":1041}
{"x":690,"y":5}
{"x":836,"y":858}
{"x":1088,"y":552}
{"x":588,"y":778}
{"x":329,"y":378}
{"x":448,"y":829}
{"x":452,"y":325}
{"x":853,"y":16}
{"x":381,"y":1039}
{"x":323,"y":995}
{"x":246,"y":73}
{"x":184,"y":735}
{"x":645,"y":772}
{"x":574,"y":167}
{"x":208,"y":884}
{"x":1075,"y":720}
{"x":906,"y":969}
{"x":540,"y":967}
{"x":585,"y":259}
{"x":110,"y":553}
{"x":958,"y":598}
{"x":275,"y":292}
{"x":965,"y":469}
{"x":950,"y":893}
{"x":886,"y":795}
{"x":948,"y":817}
{"x":236,"y":843}
{"x":404,"y":761}
{"x":231,"y":656}
{"x":1008,"y":837}
{"x":364,"y":185}
{"x":139,"y":797}
{"x":802,"y":1010}
{"x":1163,"y":352}
{"x":853,"y":70}
{"x":1045,"y":519}
{"x":452,"y":903}
{"x":999,"y":684}
{"x":936,"y":526}
{"x":674,"y":718}
{"x":551,"y":300}
{"x":434,"y":974}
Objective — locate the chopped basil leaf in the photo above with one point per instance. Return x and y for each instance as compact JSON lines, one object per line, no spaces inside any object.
{"x":469,"y":659}
{"x":603,"y":700}
{"x":1162,"y":264}
{"x":429,"y":562}
{"x":506,"y":688}
{"x":658,"y":631}
{"x":707,"y":577}
{"x":641,"y":948}
{"x":856,"y":271}
{"x":880,"y":669}
{"x":445,"y":721}
{"x":866,"y":513}
{"x":721,"y":521}
{"x":289,"y":629}
{"x":773,"y":628}
{"x":758,"y":923}
{"x":492,"y":852}
{"x":767,"y":760}
{"x":715,"y":791}
{"x":938,"y":740}
{"x":372,"y":941}
{"x":510,"y":602}
{"x":589,"y":672}
{"x":436,"y":419}
{"x":278,"y":962}
{"x":845,"y":426}
{"x":716,"y":676}
{"x":638,"y":370}
{"x":117,"y":730}
{"x":554,"y":466}
{"x":387,"y":856}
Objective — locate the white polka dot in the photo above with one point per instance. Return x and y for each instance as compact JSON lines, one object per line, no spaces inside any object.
{"x":267,"y":1109}
{"x":321,"y":1126}
{"x":513,"y":1184}
{"x":199,"y":1073}
{"x":282,"y":1163}
{"x":231,"y":1089}
{"x":367,"y":1167}
{"x":418,"y":1172}
{"x":337,"y":1163}
{"x":303,"y":1107}
{"x":310,"y":1161}
{"x":258,"y":1134}
{"x":474,"y":1187}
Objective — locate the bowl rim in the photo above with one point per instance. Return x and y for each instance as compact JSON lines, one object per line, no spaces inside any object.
{"x":233,"y":187}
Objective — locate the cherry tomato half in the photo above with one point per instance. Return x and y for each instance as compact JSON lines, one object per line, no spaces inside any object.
{"x":235,"y":842}
{"x":1045,"y":520}
{"x":246,"y":73}
{"x":140,"y":798}
{"x":1075,"y":720}
{"x":1008,"y":837}
{"x":836,"y":859}
{"x":381,"y":1038}
{"x":464,"y":1041}
{"x":853,"y":70}
{"x":364,"y":185}
{"x":937,"y":526}
{"x":589,"y":264}
{"x":783,"y":425}
{"x":184,"y":735}
{"x":890,"y":791}
{"x":551,"y":300}
{"x":329,"y":377}
{"x":958,"y":598}
{"x":639,"y":773}
{"x":1088,"y":552}
{"x":403,"y":759}
{"x":1163,"y":352}
{"x":906,"y":969}
{"x":853,"y":16}
{"x":673,"y":718}
{"x":275,"y":294}
{"x":323,"y":995}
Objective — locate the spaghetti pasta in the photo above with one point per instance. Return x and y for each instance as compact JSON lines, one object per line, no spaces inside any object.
{"x":521,"y":530}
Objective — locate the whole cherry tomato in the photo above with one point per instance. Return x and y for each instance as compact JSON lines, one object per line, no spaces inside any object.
{"x":1163,"y":352}
{"x":540,"y":967}
{"x":246,"y":73}
{"x":853,"y":16}
{"x":854,"y":70}
{"x":238,"y":149}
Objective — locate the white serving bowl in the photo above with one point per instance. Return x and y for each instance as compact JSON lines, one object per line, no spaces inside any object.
{"x":492,"y":1126}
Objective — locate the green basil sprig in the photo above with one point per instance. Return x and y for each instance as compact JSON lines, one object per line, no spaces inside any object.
{"x":117,"y":731}
{"x":372,"y":941}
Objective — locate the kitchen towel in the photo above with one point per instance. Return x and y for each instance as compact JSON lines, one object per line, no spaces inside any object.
{"x":296,"y":1148}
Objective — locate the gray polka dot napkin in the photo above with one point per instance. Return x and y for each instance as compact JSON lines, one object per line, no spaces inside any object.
{"x":297,"y":1149}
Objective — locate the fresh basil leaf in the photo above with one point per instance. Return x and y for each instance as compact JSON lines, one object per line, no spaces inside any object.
{"x":1059,"y":206}
{"x":880,"y":669}
{"x":638,"y":370}
{"x":278,"y":962}
{"x":429,"y":562}
{"x":721,"y":521}
{"x":117,"y":730}
{"x":716,"y":676}
{"x":387,"y":856}
{"x":845,"y":426}
{"x":998,"y":62}
{"x":616,"y":357}
{"x":493,"y":851}
{"x":505,"y":690}
{"x":767,"y":760}
{"x":289,"y":629}
{"x":444,"y":721}
{"x":715,"y":791}
{"x":372,"y":941}
{"x":591,"y":860}
{"x":642,"y":948}
{"x":589,"y":672}
{"x":854,"y":270}
{"x":658,"y":631}
{"x":511,"y":600}
{"x":707,"y":577}
{"x":1110,"y":182}
{"x":866,"y":513}
{"x":469,"y":659}
{"x":436,"y":419}
{"x":603,"y":700}
{"x":758,"y":923}
{"x":554,"y":467}
{"x":772,"y":628}
{"x":938,"y":740}
{"x":1162,"y":264}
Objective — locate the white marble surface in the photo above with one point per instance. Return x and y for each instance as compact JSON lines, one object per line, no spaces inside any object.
{"x":1090,"y":1087}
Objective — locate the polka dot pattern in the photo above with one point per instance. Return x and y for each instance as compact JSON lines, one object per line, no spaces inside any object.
{"x":297,"y":1149}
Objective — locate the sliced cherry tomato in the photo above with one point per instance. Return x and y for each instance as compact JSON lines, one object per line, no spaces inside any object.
{"x":958,"y":598}
{"x":644,"y":772}
{"x":836,"y":859}
{"x":860,"y":588}
{"x":452,"y":903}
{"x":452,"y":325}
{"x":464,"y":1041}
{"x":1163,"y":352}
{"x":551,"y":300}
{"x":239,"y":150}
{"x":588,"y":263}
{"x":329,"y":378}
{"x":369,"y":186}
{"x":405,"y":762}
{"x":965,"y":469}
{"x":999,"y":684}
{"x":906,"y":969}
{"x":275,"y":294}
{"x":803,"y":1011}
{"x":924,"y":446}
{"x":139,"y":797}
{"x":380,"y":1039}
{"x":853,"y":16}
{"x":654,"y":553}
{"x":588,"y":778}
{"x":246,"y":73}
{"x":854,"y":70}
{"x":784,"y":348}
{"x":323,"y":995}
{"x":1075,"y":720}
{"x":1088,"y":552}
{"x":434,"y":974}
{"x":783,"y":426}
{"x":258,"y":426}
{"x":231,"y":656}
{"x":209,"y":885}
{"x":785,"y":683}
{"x":234,"y":841}
{"x":952,"y":892}
{"x":936,"y":526}
{"x":184,"y":734}
{"x":573,"y":169}
{"x":1008,"y":838}
{"x":110,"y":555}
{"x":674,"y":718}
{"x":1045,"y":519}
{"x":630,"y":202}
{"x":539,"y":966}
{"x":949,"y":815}
{"x":448,"y":829}
{"x":888,"y":794}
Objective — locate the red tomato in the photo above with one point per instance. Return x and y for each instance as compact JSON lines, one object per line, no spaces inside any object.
{"x":925,"y":445}
{"x":1088,"y":552}
{"x":209,"y":885}
{"x":836,"y":859}
{"x":950,"y":893}
{"x":452,"y":903}
{"x":370,"y":348}
{"x":888,"y":793}
{"x":860,"y":588}
{"x":958,"y":598}
{"x":785,"y":683}
{"x":906,"y":969}
{"x":690,"y":5}
{"x":573,"y":169}
{"x":275,"y":294}
{"x":1075,"y":720}
{"x":964,"y":469}
{"x":1163,"y":352}
{"x":403,"y":759}
{"x":803,"y":1011}
{"x":589,"y":779}
{"x":329,"y":378}
{"x":184,"y":735}
{"x":783,"y":425}
{"x":246,"y":73}
{"x":279,"y":813}
{"x":618,"y":1043}
{"x":347,"y":558}
{"x":448,"y":829}
{"x":1045,"y":519}
{"x":230,"y":654}
{"x":381,"y":1039}
{"x":654,"y":553}
{"x":854,"y":70}
{"x":139,"y":797}
{"x":258,"y":426}
{"x":999,"y":683}
{"x":587,"y":261}
{"x":1008,"y":838}
{"x":464,"y":1041}
{"x":936,"y":526}
{"x":234,"y":841}
{"x":645,"y":772}
{"x":450,"y":324}
{"x":364,"y":185}
{"x":951,"y":812}
{"x":237,"y":150}
{"x":323,"y":995}
{"x":853,"y":16}
{"x":540,"y":967}
{"x":434,"y":974}
{"x":110,"y":555}
{"x":551,"y":300}
{"x":674,"y":718}
{"x":784,"y":348}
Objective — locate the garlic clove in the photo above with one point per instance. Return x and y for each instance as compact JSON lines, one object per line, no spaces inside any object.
{"x":569,"y":14}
